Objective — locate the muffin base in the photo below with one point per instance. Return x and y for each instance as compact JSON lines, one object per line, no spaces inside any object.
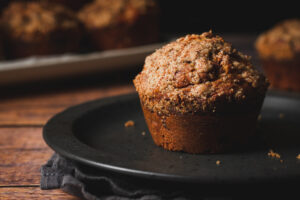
{"x":283,"y":74}
{"x":196,"y":133}
{"x":56,"y":43}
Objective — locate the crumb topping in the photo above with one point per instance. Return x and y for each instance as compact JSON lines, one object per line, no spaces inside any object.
{"x":103,"y":13}
{"x":281,"y":115}
{"x":259,"y":118}
{"x":28,"y":20}
{"x":281,"y":42}
{"x":273,"y":154}
{"x":197,"y":73}
{"x":129,"y":123}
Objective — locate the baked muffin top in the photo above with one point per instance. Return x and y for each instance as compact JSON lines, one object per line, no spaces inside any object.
{"x":198,"y":73}
{"x":32,"y":20}
{"x":281,"y":42}
{"x":103,"y":13}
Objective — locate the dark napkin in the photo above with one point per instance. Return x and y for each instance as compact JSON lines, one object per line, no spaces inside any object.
{"x":93,"y":184}
{"x":87,"y":183}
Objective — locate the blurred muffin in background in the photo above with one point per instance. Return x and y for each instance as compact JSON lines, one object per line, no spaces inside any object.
{"x":34,"y":28}
{"x":279,"y":51}
{"x":120,"y":23}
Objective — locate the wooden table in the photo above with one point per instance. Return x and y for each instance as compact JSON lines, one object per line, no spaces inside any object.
{"x":23,"y":113}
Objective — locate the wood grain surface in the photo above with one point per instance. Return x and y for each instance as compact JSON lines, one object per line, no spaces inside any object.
{"x":33,"y":193}
{"x":22,"y":149}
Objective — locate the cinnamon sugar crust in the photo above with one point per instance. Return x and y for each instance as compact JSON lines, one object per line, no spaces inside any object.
{"x":281,"y":42}
{"x":199,"y":73}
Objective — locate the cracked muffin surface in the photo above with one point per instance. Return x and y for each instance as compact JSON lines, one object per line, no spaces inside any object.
{"x":198,"y":73}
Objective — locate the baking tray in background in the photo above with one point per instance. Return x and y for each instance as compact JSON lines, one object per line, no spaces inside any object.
{"x":58,"y":66}
{"x":68,"y":65}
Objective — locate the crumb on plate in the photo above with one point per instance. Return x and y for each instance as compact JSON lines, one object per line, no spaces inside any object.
{"x":273,"y":154}
{"x":129,"y":123}
{"x":259,"y":117}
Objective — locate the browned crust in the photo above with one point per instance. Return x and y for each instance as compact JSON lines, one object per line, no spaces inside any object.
{"x":198,"y":73}
{"x":283,"y":74}
{"x":194,"y":133}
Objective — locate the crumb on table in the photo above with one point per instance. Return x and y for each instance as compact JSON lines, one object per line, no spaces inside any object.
{"x":273,"y":154}
{"x":143,"y":133}
{"x":129,"y":123}
{"x":218,"y":162}
{"x":298,"y":157}
{"x":281,"y":161}
{"x":259,"y":117}
{"x":281,"y":115}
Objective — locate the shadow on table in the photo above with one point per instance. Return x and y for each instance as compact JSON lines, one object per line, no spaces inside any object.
{"x":103,"y":79}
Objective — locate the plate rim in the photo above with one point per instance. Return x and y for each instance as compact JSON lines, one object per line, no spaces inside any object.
{"x":123,"y":170}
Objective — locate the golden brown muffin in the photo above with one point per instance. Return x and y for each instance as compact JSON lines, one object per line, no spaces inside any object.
{"x":120,"y":23}
{"x":200,"y":95}
{"x":33,"y":28}
{"x":279,"y":51}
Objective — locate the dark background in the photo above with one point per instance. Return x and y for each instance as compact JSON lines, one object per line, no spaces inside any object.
{"x":196,"y":16}
{"x":187,"y":16}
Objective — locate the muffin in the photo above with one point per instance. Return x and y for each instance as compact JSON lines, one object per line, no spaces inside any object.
{"x":200,"y":95}
{"x":33,"y":28}
{"x":119,"y":24}
{"x":279,"y":52}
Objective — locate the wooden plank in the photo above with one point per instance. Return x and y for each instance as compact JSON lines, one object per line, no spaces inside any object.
{"x":65,"y":97}
{"x":21,"y":139}
{"x":27,"y":115}
{"x":22,"y":167}
{"x":23,"y":151}
{"x":33,"y":193}
{"x":37,"y":110}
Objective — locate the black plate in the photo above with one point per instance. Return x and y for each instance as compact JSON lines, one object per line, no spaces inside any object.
{"x":94,"y":134}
